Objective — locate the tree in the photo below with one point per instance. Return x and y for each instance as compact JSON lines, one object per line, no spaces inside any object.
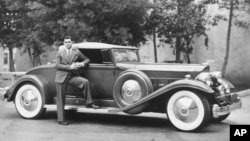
{"x":116,"y":21}
{"x":228,"y":38}
{"x":152,"y":22}
{"x":232,"y":5}
{"x":109,"y":21}
{"x":10,"y":30}
{"x":177,"y":22}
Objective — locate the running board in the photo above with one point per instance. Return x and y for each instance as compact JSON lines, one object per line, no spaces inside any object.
{"x":73,"y":101}
{"x":81,"y":102}
{"x":115,"y":110}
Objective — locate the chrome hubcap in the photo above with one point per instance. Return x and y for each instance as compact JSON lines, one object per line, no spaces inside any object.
{"x":29,"y":100}
{"x":131,"y":91}
{"x":186,"y":110}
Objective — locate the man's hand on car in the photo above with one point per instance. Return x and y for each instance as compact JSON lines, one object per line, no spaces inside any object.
{"x":74,"y":66}
{"x":81,"y":64}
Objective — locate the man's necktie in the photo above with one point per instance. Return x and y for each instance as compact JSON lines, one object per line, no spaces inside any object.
{"x":69,"y":52}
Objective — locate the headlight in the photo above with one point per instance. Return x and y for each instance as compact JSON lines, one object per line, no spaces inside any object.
{"x":225,"y":84}
{"x":209,"y":82}
{"x":228,"y":90}
{"x":214,"y":79}
{"x":222,"y":90}
{"x":216,"y":74}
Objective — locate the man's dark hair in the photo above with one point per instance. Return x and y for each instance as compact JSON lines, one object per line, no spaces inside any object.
{"x":67,"y":37}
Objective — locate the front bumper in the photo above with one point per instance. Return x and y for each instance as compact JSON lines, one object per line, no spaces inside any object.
{"x":223,"y":110}
{"x":3,"y":93}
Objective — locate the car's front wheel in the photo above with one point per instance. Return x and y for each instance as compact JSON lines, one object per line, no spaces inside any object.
{"x":187,"y":110}
{"x":29,"y":102}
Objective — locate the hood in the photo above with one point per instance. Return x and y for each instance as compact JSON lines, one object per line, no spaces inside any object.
{"x":164,"y":67}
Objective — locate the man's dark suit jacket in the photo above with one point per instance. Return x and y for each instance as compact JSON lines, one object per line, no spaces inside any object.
{"x":64,"y":62}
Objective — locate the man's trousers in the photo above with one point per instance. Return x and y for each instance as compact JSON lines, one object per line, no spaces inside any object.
{"x":61,"y":88}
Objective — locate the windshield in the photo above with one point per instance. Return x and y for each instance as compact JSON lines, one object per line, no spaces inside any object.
{"x":126,"y":55}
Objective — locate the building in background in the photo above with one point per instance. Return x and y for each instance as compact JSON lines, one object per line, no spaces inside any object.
{"x":4,"y":58}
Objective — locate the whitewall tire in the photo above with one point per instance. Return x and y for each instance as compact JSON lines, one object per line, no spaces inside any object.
{"x":29,"y":102}
{"x":187,"y":111}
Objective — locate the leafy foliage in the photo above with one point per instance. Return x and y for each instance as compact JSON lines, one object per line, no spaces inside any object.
{"x":11,"y":29}
{"x":240,"y":7}
{"x":46,"y":22}
{"x":233,"y":6}
{"x":177,"y":22}
{"x":10,"y":26}
{"x":111,"y":21}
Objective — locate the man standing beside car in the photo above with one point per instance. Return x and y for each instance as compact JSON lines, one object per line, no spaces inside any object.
{"x":68,"y":62}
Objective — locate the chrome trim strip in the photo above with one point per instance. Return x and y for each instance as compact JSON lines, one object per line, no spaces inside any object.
{"x":162,"y":78}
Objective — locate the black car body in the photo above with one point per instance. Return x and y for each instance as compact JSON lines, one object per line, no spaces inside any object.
{"x":189,"y":94}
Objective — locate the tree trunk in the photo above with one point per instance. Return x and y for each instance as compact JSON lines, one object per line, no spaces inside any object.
{"x":39,"y":60}
{"x":188,"y":58}
{"x":30,"y":57}
{"x":177,"y":48}
{"x":11,"y":63}
{"x":178,"y":40}
{"x":228,"y":40}
{"x":37,"y":55}
{"x":188,"y":50}
{"x":155,"y":48}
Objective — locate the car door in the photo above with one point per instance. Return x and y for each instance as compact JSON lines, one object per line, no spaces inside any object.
{"x":100,"y":73}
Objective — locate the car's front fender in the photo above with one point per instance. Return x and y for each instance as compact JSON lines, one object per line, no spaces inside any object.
{"x":39,"y":81}
{"x":180,"y":84}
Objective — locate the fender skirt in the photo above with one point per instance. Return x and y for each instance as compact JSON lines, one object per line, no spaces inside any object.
{"x":39,"y":81}
{"x":184,"y":83}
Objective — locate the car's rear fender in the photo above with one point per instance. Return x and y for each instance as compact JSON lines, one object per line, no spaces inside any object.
{"x":39,"y":81}
{"x":174,"y":86}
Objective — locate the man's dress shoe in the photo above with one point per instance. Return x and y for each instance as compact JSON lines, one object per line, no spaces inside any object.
{"x":92,"y":105}
{"x":63,"y":123}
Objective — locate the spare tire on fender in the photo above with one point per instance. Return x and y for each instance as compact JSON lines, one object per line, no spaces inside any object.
{"x":130,"y":87}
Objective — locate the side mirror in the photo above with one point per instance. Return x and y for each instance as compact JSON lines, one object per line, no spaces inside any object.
{"x":106,"y":56}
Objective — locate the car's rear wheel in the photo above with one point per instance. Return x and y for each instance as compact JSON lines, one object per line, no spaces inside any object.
{"x":187,"y":110}
{"x":129,"y":88}
{"x":29,"y":102}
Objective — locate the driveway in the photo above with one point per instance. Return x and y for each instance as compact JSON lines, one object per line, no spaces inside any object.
{"x":98,"y":125}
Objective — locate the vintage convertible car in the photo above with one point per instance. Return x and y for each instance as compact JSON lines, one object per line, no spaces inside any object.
{"x":189,"y":94}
